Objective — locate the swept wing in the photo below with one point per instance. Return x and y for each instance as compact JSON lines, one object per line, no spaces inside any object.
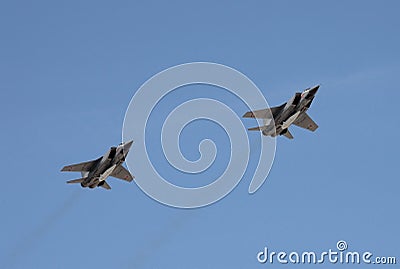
{"x":122,"y":173}
{"x":304,"y":121}
{"x":81,"y":167}
{"x":265,"y":113}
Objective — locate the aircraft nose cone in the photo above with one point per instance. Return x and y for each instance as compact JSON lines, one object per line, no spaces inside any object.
{"x":128,"y":145}
{"x":313,"y":90}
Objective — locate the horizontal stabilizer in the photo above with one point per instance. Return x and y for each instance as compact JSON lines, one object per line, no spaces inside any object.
{"x":79,"y":180}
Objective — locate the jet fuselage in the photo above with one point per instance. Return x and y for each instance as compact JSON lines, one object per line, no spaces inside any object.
{"x":299,"y":103}
{"x":105,"y":166}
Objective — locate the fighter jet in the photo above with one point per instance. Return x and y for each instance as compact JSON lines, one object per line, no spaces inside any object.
{"x":94,"y":173}
{"x":292,"y":112}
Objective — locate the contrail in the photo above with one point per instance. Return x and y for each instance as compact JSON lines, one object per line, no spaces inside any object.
{"x":30,"y":240}
{"x":157,"y":241}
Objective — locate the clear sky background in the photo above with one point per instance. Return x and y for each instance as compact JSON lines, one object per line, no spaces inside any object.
{"x":69,"y":69}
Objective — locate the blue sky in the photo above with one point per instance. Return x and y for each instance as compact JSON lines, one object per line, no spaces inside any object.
{"x":69,"y":70}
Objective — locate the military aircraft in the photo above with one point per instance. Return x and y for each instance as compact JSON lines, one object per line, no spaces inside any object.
{"x":292,"y":112}
{"x":94,"y":173}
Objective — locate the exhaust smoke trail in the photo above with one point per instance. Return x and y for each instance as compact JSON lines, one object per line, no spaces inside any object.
{"x":156,"y":242}
{"x":32,"y":238}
